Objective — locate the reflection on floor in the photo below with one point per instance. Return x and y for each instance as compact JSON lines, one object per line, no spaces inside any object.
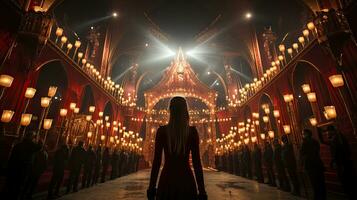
{"x":219,"y":185}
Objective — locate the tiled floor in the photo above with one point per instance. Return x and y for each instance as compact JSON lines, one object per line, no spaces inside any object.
{"x":219,"y":186}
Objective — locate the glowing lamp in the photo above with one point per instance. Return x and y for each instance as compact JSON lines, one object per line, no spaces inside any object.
{"x":7,"y":116}
{"x":69,"y":46}
{"x":271,"y":134}
{"x":30,"y":93}
{"x":84,"y":61}
{"x":336,"y":80}
{"x":80,"y":55}
{"x":88,"y":118}
{"x":52,"y":91}
{"x":288,"y":98}
{"x":287,"y":129}
{"x":89,"y":134}
{"x":45,"y":102}
{"x":6,"y":80}
{"x":306,"y":33}
{"x":276,"y":113}
{"x":91,"y":109}
{"x":306,"y":88}
{"x":25,"y":119}
{"x":106,"y":118}
{"x":102,"y":137}
{"x":64,"y":39}
{"x":76,"y":110}
{"x":77,"y":44}
{"x":311,"y":26}
{"x":265,"y":119}
{"x":47,"y":123}
{"x":63,"y":112}
{"x":59,"y":32}
{"x":313,"y":121}
{"x":301,"y":40}
{"x":257,"y":122}
{"x":72,"y":106}
{"x":254,"y":139}
{"x":111,"y":139}
{"x":295,"y":46}
{"x":107,"y":124}
{"x":311,"y":97}
{"x":280,"y":58}
{"x":100,"y":114}
{"x":262,"y":136}
{"x":281,"y":48}
{"x":290,"y":51}
{"x":330,"y":112}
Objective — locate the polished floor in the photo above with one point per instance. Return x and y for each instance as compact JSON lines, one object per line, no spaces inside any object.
{"x":219,"y":186}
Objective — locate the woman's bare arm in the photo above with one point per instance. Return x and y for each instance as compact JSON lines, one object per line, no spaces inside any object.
{"x":196,"y":160}
{"x":157,"y":158}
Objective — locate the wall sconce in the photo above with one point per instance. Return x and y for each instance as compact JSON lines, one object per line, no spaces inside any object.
{"x":102,"y":137}
{"x":271,"y":134}
{"x":80,"y":55}
{"x":45,"y":102}
{"x":25,"y":119}
{"x":91,"y":109}
{"x":306,"y":88}
{"x":311,"y":97}
{"x":77,"y":44}
{"x":276,"y":113}
{"x":59,"y":33}
{"x":89,"y":134}
{"x":313,"y":121}
{"x":265,"y":119}
{"x":100,"y":114}
{"x":76,"y":110}
{"x":287,"y":129}
{"x":302,"y":41}
{"x":330,"y":112}
{"x":7,"y":116}
{"x":306,"y":34}
{"x":30,"y":93}
{"x":63,"y":41}
{"x":69,"y":47}
{"x":296,"y":47}
{"x":290,"y":52}
{"x":88,"y":118}
{"x":5,"y":82}
{"x":63,"y":112}
{"x":336,"y":80}
{"x":254,"y":139}
{"x":52,"y":91}
{"x":47,"y":123}
{"x":72,"y":106}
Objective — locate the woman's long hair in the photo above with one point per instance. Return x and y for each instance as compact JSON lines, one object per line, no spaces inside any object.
{"x":178,"y":126}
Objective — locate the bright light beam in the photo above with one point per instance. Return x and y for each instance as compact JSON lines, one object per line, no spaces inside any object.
{"x":163,"y":50}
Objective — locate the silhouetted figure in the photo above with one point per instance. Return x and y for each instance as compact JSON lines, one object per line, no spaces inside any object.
{"x":89,"y":164}
{"x":279,"y":167}
{"x":289,"y":161}
{"x":257,"y":159}
{"x":268,"y":163}
{"x":310,"y":157}
{"x":114,"y":163}
{"x":242,"y":170}
{"x":177,"y":140}
{"x":20,"y":166}
{"x":247,"y":161}
{"x":97,"y":165}
{"x":341,"y":160}
{"x":105,"y":163}
{"x":38,"y":167}
{"x":75,"y":165}
{"x":59,"y":163}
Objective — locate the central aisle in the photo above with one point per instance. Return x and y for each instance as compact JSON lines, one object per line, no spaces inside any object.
{"x":219,"y":186}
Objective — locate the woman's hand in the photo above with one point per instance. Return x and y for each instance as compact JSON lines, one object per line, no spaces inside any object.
{"x":202,"y":196}
{"x":151,"y":193}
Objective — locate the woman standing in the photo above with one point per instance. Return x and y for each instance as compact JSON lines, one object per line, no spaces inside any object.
{"x":177,"y":139}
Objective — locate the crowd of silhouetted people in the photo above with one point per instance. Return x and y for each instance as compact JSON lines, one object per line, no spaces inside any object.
{"x":85,"y":166}
{"x":276,"y":164}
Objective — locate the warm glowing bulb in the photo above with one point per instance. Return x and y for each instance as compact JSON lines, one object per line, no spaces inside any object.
{"x":72,"y":106}
{"x":47,"y":123}
{"x":63,"y":112}
{"x":330,"y":112}
{"x":287,"y":129}
{"x":306,"y":88}
{"x":52,"y":91}
{"x":313,"y":121}
{"x":45,"y":102}
{"x":311,"y":97}
{"x":7,"y":116}
{"x":25,"y":119}
{"x":336,"y":80}
{"x":6,"y":80}
{"x":30,"y":93}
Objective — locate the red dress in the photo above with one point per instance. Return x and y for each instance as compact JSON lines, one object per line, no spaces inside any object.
{"x":176,"y":180}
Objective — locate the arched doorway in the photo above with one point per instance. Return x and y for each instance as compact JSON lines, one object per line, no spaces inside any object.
{"x":306,"y":73}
